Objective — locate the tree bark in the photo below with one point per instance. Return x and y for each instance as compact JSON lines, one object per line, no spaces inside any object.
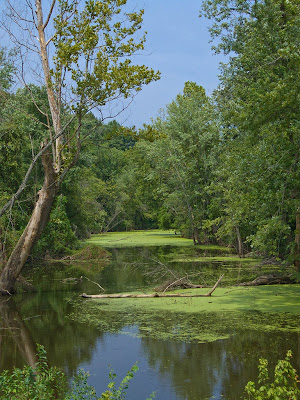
{"x":52,"y":98}
{"x":34,"y":228}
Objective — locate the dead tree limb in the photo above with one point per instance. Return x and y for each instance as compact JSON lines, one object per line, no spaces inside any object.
{"x":151,"y":295}
{"x":184,"y":281}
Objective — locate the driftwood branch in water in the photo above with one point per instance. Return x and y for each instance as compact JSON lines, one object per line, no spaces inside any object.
{"x":144,"y":295}
{"x":269,"y":280}
{"x":183,"y":282}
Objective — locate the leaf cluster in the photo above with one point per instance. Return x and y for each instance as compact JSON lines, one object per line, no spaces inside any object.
{"x":285,"y":385}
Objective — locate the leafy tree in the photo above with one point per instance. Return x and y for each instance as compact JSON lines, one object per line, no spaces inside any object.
{"x":92,"y":46}
{"x":185,"y":158}
{"x":258,"y":102}
{"x":58,"y":236}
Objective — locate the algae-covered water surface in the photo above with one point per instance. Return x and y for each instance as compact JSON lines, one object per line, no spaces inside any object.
{"x":193,"y":348}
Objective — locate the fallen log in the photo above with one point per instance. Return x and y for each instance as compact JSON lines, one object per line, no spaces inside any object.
{"x":150,"y":295}
{"x":269,"y":280}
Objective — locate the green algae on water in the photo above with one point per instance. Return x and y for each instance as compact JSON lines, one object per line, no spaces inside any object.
{"x":143,"y":238}
{"x":228,"y":312}
{"x":221,"y":259}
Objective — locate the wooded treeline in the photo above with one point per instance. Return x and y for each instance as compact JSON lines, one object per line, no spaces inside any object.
{"x":219,"y":169}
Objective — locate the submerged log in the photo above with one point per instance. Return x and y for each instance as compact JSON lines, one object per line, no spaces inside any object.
{"x":151,"y":295}
{"x":269,"y":280}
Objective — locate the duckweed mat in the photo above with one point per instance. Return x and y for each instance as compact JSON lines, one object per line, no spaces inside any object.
{"x":228,"y":312}
{"x":141,"y":238}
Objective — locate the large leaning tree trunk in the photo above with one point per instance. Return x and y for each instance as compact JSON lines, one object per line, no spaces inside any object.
{"x":33,"y":229}
{"x":92,"y":45}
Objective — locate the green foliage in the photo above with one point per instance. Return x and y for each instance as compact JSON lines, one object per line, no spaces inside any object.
{"x":6,"y":70}
{"x":257,"y":103}
{"x":284,"y":387}
{"x":49,"y":383}
{"x":40,"y":383}
{"x":270,"y":236}
{"x":102,"y":37}
{"x":58,"y":236}
{"x":114,"y":393}
{"x":80,"y":389}
{"x":185,"y":155}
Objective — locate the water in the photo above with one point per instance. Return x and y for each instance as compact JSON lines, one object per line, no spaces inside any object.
{"x":176,"y":369}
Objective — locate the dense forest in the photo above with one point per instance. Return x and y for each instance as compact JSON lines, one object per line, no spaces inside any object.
{"x":218,"y":169}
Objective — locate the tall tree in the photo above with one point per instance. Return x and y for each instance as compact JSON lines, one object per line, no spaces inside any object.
{"x":185,"y":158}
{"x":259,"y":102}
{"x":85,"y":51}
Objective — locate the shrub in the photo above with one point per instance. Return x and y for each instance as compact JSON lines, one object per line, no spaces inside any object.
{"x":49,"y":383}
{"x":39,"y":383}
{"x":58,"y":237}
{"x":284,"y":387}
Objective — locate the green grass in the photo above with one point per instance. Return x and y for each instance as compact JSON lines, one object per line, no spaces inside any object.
{"x":144,"y":238}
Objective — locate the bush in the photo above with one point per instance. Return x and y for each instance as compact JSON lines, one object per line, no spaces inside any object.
{"x":284,"y":387}
{"x":58,"y":237}
{"x":39,"y":383}
{"x":49,"y":383}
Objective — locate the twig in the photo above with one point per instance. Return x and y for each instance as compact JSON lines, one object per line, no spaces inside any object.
{"x":95,"y":283}
{"x":215,"y":285}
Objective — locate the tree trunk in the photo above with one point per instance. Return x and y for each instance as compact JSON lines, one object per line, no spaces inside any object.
{"x":297,"y":241}
{"x":33,"y":229}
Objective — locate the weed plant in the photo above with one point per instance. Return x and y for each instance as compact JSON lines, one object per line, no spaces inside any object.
{"x":285,"y":385}
{"x":49,"y":383}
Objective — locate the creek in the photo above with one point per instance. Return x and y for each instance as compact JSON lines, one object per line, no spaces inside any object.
{"x":187,"y":349}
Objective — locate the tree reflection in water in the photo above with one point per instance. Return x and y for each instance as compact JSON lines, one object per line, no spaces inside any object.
{"x":222,"y":368}
{"x":181,"y":369}
{"x":42,"y":319}
{"x":14,"y":334}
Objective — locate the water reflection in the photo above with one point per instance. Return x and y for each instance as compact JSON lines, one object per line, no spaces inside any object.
{"x":15,"y":335}
{"x":42,"y":319}
{"x":220,"y":369}
{"x":177,"y":370}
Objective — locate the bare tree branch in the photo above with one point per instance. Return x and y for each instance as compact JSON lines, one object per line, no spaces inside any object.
{"x":50,"y":13}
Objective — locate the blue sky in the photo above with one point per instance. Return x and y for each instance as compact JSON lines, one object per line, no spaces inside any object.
{"x":177,"y":45}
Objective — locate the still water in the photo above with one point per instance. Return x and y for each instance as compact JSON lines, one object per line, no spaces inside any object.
{"x":174,"y":368}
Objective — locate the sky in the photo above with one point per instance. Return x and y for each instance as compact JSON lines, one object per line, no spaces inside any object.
{"x":178,"y":46}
